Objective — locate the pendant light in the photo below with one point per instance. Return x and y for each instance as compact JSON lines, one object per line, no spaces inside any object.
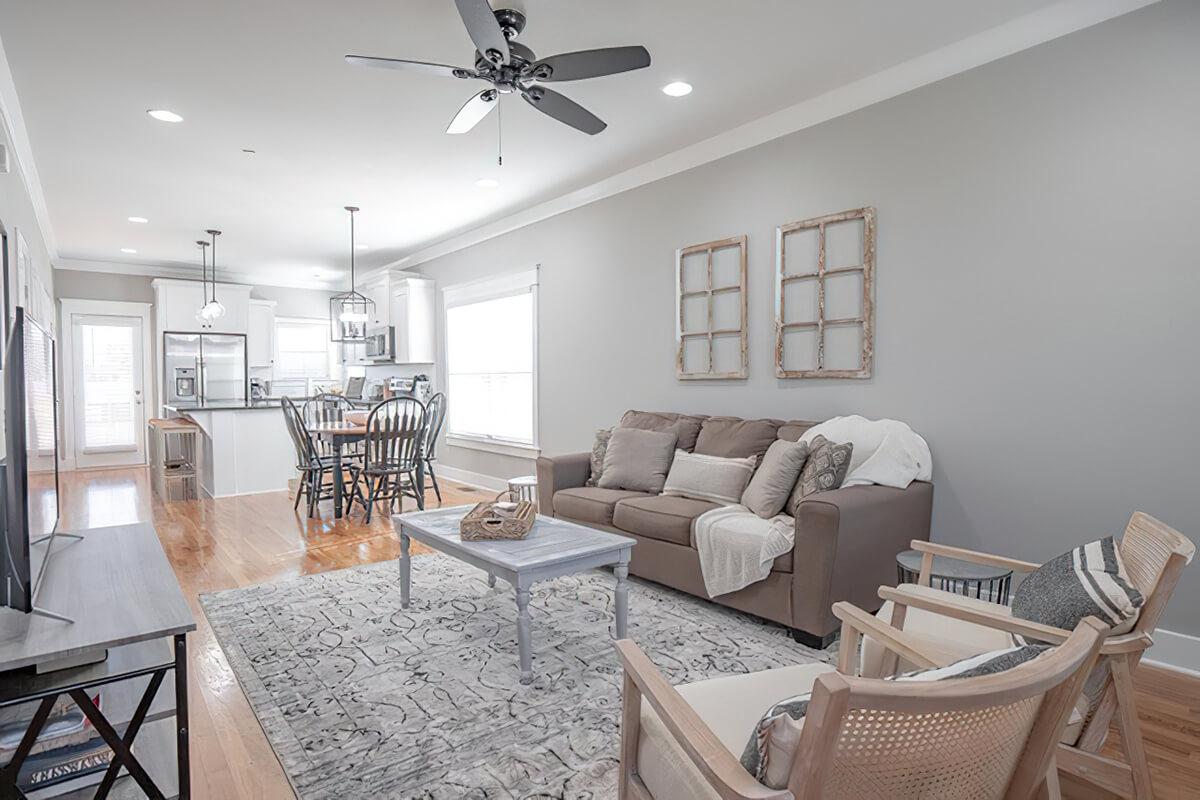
{"x":202,"y":311}
{"x":349,"y":311}
{"x":215,"y":309}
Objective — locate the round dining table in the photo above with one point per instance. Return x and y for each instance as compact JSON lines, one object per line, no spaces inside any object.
{"x":338,"y":434}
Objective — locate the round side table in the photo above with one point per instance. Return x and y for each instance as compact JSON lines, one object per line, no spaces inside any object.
{"x":959,"y":577}
{"x":525,"y":488}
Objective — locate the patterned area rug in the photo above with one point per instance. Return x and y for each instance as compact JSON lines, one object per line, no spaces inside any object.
{"x":361,"y":699}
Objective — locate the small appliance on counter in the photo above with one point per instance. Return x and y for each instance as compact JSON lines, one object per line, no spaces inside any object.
{"x":260,"y":389}
{"x":417,"y":386}
{"x":373,"y":390}
{"x":354,"y":387}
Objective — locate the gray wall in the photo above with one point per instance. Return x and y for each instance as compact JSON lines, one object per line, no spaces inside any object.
{"x":1037,"y":287}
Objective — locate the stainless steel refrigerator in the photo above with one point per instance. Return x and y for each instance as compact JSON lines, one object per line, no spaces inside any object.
{"x":202,"y":369}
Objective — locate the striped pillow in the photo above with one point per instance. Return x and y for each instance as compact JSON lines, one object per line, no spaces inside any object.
{"x":712,"y":478}
{"x":1089,"y":581}
{"x":773,"y":743}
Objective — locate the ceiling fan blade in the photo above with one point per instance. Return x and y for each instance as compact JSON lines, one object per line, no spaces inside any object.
{"x":411,"y":66}
{"x":593,"y":63}
{"x":472,"y":111}
{"x":564,"y":110}
{"x":483,"y":29}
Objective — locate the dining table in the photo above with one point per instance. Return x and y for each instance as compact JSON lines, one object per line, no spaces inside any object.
{"x":338,"y":434}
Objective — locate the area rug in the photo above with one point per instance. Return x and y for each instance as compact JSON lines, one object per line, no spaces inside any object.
{"x":361,"y":699}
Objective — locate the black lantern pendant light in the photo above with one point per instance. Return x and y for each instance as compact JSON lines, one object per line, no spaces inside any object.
{"x":350,"y":311}
{"x":202,"y":312}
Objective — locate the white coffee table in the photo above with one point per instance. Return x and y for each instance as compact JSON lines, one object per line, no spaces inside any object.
{"x":553,"y":548}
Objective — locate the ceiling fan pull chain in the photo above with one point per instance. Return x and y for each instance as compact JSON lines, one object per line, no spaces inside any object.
{"x":499,"y":131}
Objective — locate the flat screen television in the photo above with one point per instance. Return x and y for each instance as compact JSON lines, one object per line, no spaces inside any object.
{"x":31,"y":496}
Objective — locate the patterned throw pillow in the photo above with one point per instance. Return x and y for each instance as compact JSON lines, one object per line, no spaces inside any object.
{"x":825,"y":469}
{"x":1087,"y":581}
{"x":599,"y":448}
{"x":773,"y":742}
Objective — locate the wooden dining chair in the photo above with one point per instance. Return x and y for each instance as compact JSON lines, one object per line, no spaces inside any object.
{"x":392,"y":455}
{"x":1154,"y":555}
{"x":313,"y":466}
{"x":435,"y":412}
{"x":326,"y":408}
{"x":988,"y":737}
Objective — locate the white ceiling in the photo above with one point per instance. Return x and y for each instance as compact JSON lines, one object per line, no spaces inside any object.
{"x":270,"y":76}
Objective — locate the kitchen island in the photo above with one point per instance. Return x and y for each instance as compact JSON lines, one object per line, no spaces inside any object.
{"x":245,"y":447}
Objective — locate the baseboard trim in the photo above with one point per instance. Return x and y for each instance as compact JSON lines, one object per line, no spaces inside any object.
{"x":1177,"y":651}
{"x":476,"y":480}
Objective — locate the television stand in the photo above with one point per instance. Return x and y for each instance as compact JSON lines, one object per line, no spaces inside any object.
{"x":123,"y":595}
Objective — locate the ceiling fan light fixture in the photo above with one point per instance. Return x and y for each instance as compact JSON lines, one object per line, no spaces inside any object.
{"x":677,"y":89}
{"x":163,"y":115}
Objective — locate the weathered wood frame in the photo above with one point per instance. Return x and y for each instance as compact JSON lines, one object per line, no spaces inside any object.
{"x":709,"y":333}
{"x":867,"y":318}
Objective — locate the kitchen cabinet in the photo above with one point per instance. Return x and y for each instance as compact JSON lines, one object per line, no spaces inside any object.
{"x":377,"y":292}
{"x":412,"y":314}
{"x":176,"y":303}
{"x":260,"y":334}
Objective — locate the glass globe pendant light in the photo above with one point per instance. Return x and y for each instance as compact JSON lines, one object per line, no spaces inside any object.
{"x":215,"y":309}
{"x":202,"y":312}
{"x":350,"y":311}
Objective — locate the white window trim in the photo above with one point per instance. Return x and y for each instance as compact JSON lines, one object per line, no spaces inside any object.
{"x":494,"y":288}
{"x":332,"y":361}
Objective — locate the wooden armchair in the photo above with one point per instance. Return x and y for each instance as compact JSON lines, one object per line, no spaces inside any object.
{"x":1154,"y":555}
{"x":985,"y":737}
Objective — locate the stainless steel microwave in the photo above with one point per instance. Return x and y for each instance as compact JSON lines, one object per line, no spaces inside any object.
{"x":381,"y":344}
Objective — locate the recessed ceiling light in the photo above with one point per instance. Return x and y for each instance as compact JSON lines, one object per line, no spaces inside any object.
{"x":677,"y":89}
{"x":362,"y":246}
{"x":162,"y":115}
{"x":138,"y":219}
{"x":129,"y":250}
{"x":487,"y":183}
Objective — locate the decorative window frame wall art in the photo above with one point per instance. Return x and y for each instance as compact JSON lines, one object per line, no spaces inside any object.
{"x":704,"y":291}
{"x":805,"y":278}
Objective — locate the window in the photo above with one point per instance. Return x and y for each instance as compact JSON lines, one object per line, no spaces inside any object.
{"x":303,"y":353}
{"x":491,"y":361}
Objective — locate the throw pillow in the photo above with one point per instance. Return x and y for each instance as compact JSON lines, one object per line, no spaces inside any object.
{"x":768,"y":491}
{"x":825,"y":469}
{"x":1087,"y":581}
{"x":712,"y":478}
{"x":773,"y":742}
{"x":599,"y":448}
{"x":637,"y":460}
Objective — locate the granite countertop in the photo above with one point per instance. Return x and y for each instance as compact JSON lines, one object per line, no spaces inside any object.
{"x":225,"y":405}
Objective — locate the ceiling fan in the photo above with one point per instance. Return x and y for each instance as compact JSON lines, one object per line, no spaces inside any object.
{"x":512,"y":68}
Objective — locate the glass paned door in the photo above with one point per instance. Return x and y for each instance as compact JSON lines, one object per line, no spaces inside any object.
{"x":109,"y":391}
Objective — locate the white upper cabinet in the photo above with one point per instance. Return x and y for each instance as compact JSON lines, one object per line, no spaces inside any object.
{"x":260,"y":334}
{"x":176,"y":303}
{"x":412,"y":308}
{"x":377,"y":292}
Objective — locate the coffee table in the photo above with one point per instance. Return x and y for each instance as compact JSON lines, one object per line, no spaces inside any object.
{"x":553,"y":548}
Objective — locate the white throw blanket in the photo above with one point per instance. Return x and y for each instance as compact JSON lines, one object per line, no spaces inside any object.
{"x":886,"y":451}
{"x":737,"y":546}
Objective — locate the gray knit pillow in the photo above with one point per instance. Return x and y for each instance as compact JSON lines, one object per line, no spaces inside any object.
{"x":772,"y":483}
{"x":1088,"y":581}
{"x":773,"y":742}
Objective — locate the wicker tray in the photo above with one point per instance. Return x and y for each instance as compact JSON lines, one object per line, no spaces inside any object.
{"x":482,"y":522}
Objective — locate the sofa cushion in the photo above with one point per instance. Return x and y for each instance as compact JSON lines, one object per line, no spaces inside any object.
{"x":668,"y":519}
{"x":590,"y":503}
{"x":685,"y":427}
{"x":712,"y":478}
{"x":637,"y":460}
{"x":599,"y":448}
{"x":793,"y":429}
{"x":731,"y":437}
{"x":824,"y":469}
{"x":773,"y":481}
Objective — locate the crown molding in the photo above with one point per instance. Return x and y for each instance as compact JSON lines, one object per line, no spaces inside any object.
{"x":1012,"y":37}
{"x":183,"y":272}
{"x":22,"y":156}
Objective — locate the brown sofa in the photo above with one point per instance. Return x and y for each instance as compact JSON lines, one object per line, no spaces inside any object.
{"x":846,"y":539}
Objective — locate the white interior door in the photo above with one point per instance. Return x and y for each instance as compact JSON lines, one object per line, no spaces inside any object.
{"x":109,"y":390}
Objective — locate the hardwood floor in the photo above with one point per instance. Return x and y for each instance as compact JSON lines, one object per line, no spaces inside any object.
{"x":242,"y":541}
